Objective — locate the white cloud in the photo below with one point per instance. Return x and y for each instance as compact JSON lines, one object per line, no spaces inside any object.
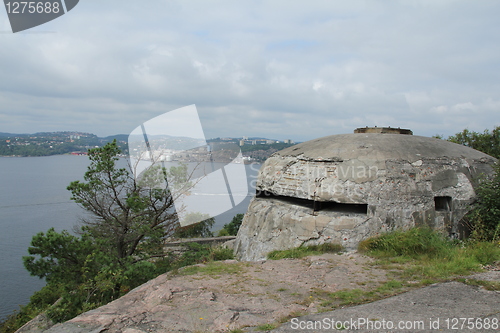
{"x":464,"y":108}
{"x":277,"y":69}
{"x":441,"y":109}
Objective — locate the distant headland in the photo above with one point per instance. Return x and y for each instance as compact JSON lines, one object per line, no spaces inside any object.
{"x":255,"y":149}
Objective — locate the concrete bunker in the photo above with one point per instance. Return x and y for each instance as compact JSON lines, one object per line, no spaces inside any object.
{"x":347,"y":187}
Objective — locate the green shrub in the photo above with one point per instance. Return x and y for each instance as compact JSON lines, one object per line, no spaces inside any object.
{"x":199,"y":229}
{"x":426,"y":255}
{"x":412,"y":243}
{"x":231,"y":228}
{"x":483,"y":252}
{"x":222,"y":253}
{"x":484,"y":219}
{"x":223,"y":232}
{"x":40,"y":301}
{"x":63,"y":300}
{"x":201,"y":253}
{"x":487,"y":142}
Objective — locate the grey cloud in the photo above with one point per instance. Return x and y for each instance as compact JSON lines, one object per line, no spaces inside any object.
{"x":276,"y":69}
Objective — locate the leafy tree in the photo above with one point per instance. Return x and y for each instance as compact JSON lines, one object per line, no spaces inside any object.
{"x":114,"y":248}
{"x":200,"y":229}
{"x":487,"y":142}
{"x":132,"y":216}
{"x":231,"y":228}
{"x":79,"y":276}
{"x":486,"y":210}
{"x":119,"y":247}
{"x":485,"y":216}
{"x":60,"y":257}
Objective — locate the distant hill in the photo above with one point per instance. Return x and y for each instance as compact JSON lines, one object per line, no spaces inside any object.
{"x":64,"y":142}
{"x":118,"y":137}
{"x":7,"y":135}
{"x":47,"y":143}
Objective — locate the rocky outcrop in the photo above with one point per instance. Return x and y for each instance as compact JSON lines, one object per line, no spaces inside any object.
{"x":242,"y":296}
{"x":345,"y":188}
{"x":223,"y":296}
{"x":39,"y":324}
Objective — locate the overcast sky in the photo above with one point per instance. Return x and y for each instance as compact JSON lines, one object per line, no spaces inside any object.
{"x":276,"y":69}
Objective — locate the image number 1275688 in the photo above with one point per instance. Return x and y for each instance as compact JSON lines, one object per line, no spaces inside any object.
{"x":25,"y":15}
{"x":32,"y":7}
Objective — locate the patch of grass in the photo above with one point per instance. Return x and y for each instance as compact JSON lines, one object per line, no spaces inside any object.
{"x":215,"y":268}
{"x":484,"y":252}
{"x":415,"y":258}
{"x":348,"y":296}
{"x":426,"y":255}
{"x":440,"y":269}
{"x":488,"y":285}
{"x":266,"y":327}
{"x":389,"y":287}
{"x":359,"y":296}
{"x":292,"y":315}
{"x":411,"y":243}
{"x":304,"y":251}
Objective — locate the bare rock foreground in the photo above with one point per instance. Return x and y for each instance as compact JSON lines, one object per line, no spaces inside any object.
{"x":240,"y":296}
{"x":227,"y":295}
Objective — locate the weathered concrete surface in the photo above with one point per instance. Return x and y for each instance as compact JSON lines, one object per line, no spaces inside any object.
{"x":436,"y":308}
{"x":275,"y":225}
{"x":398,"y":181}
{"x":390,"y":130}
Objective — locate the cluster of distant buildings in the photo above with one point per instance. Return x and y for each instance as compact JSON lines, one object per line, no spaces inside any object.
{"x":178,"y":149}
{"x":47,"y":138}
{"x":246,"y":141}
{"x":168,"y":155}
{"x":201,"y":154}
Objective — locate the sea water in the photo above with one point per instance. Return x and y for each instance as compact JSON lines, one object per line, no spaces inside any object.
{"x":33,"y":198}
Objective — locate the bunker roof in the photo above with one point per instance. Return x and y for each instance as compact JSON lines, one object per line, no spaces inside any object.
{"x":380,"y":146}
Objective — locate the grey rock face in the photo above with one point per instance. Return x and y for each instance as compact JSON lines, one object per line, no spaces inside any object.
{"x":345,"y":188}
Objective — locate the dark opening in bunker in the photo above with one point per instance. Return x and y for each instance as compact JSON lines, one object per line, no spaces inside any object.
{"x":442,"y":204}
{"x":329,"y":206}
{"x":333,"y":206}
{"x":291,"y":200}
